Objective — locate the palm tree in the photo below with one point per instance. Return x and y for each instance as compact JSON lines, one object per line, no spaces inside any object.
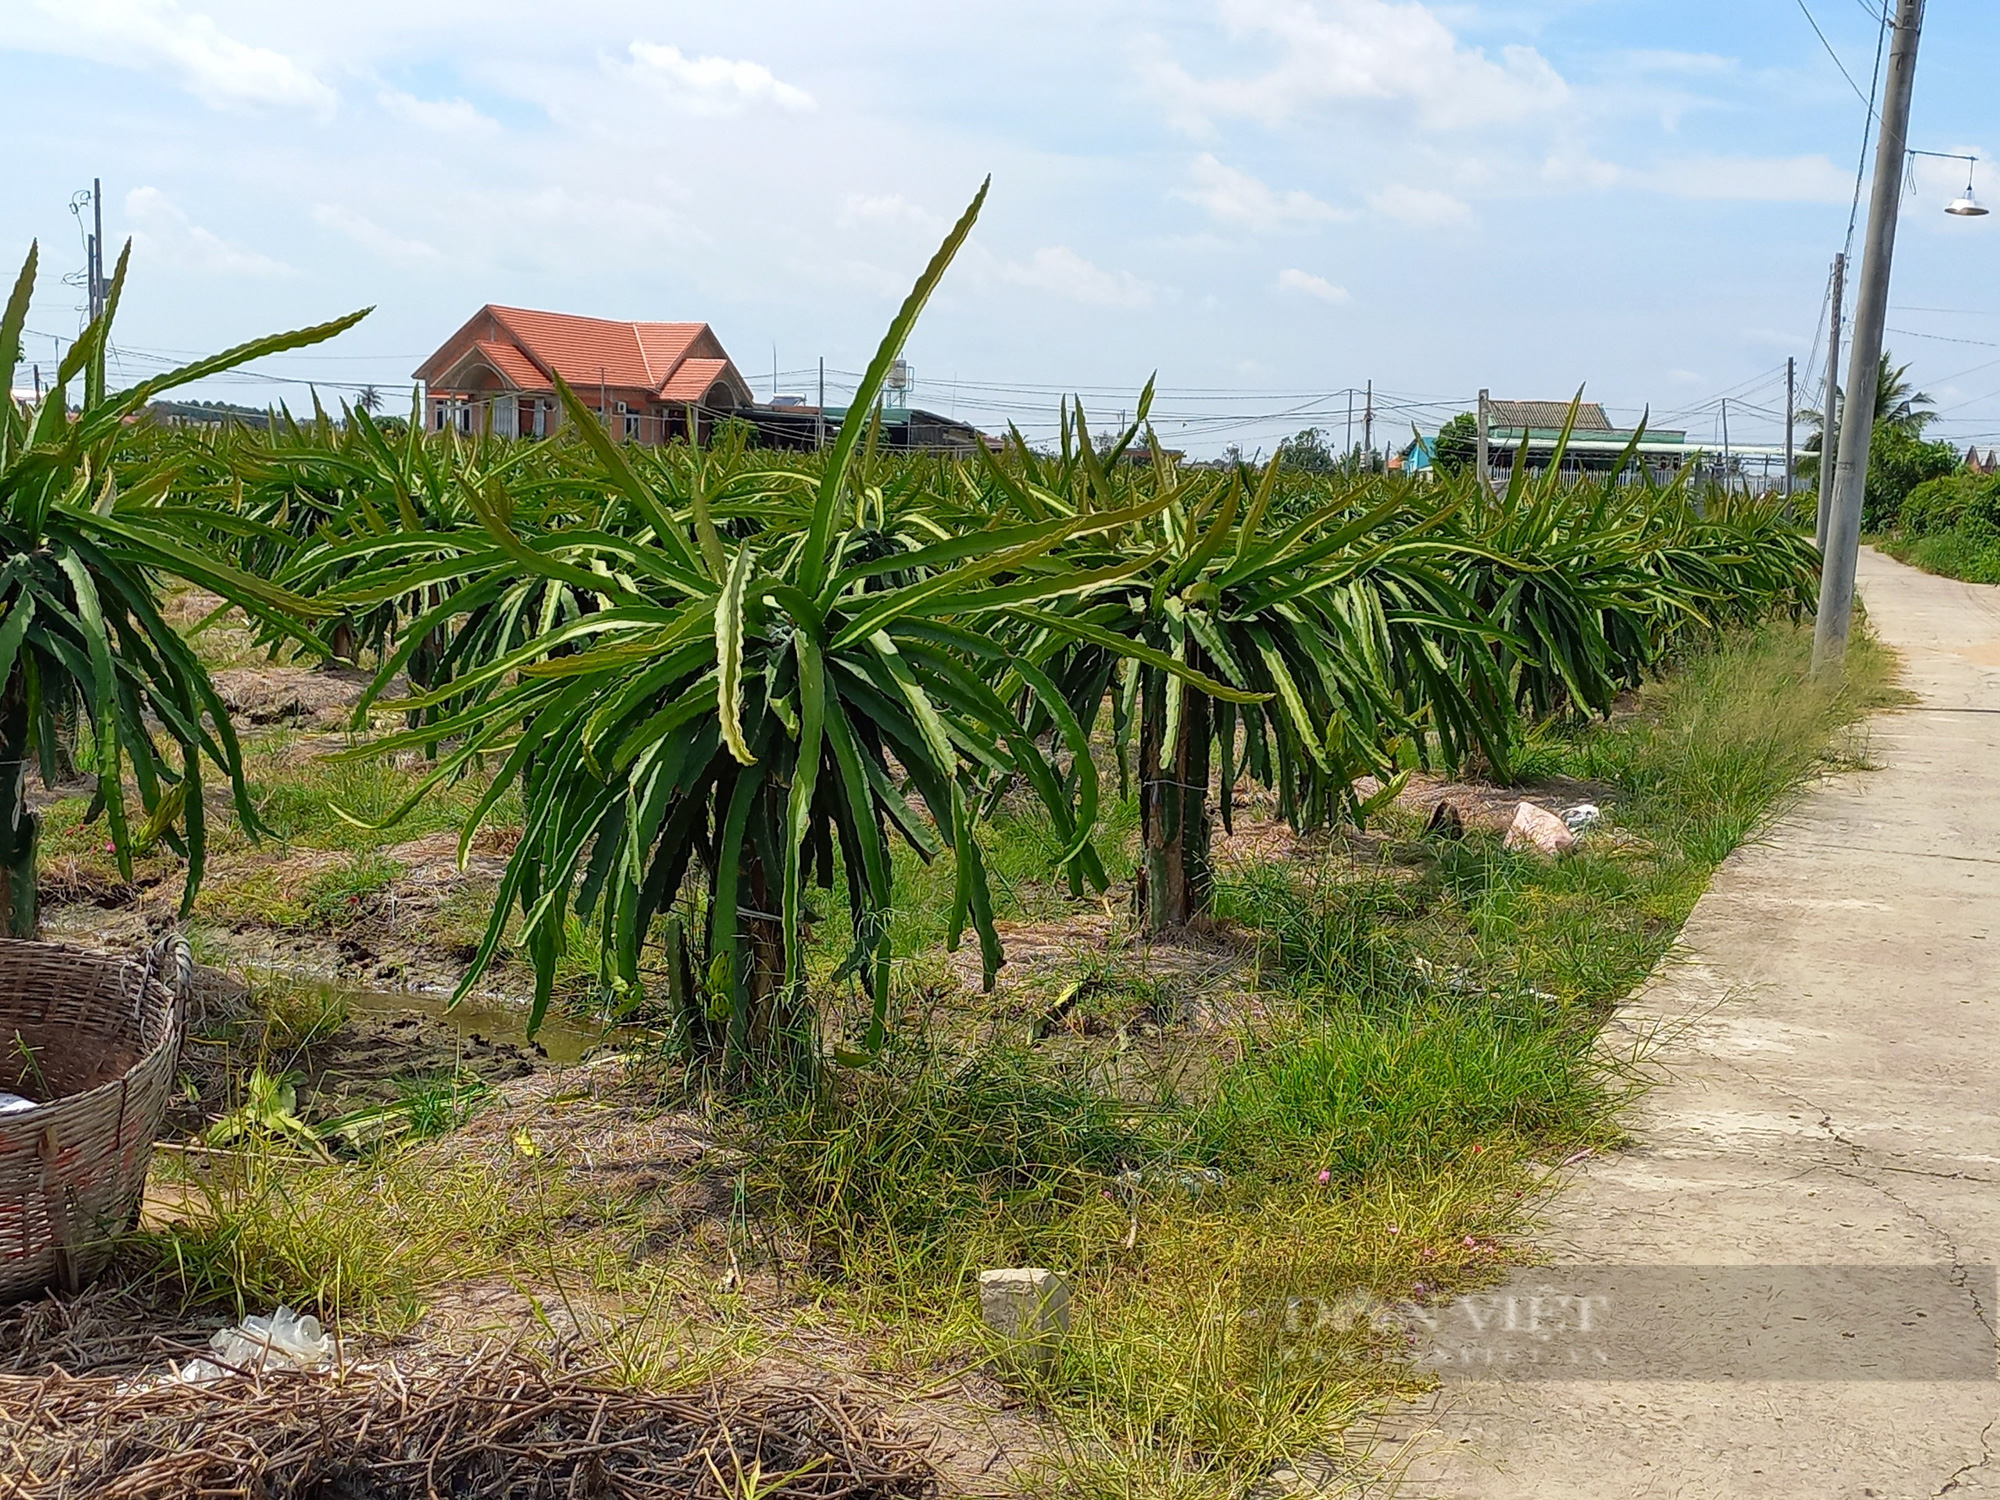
{"x":370,"y":400}
{"x":1897,"y":408}
{"x":1896,"y":405}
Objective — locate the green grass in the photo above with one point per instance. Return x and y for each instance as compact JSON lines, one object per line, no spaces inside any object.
{"x":932,"y":1160}
{"x":308,"y":802}
{"x":1954,"y":554}
{"x":320,"y":802}
{"x":330,"y":899}
{"x":297,"y":1014}
{"x":365,"y":1246}
{"x":1360,"y":1096}
{"x":370,"y":1245}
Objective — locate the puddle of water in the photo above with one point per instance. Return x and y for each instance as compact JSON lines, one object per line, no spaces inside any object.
{"x":560,"y":1039}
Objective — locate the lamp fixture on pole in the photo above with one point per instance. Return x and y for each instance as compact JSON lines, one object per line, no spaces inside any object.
{"x":1966,"y":206}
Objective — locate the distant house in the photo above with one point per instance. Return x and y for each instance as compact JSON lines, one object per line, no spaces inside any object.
{"x":1977,"y":465}
{"x":791,"y":424}
{"x":207,"y":414}
{"x":647,"y":382}
{"x":1139,"y":453}
{"x":1528,"y":431}
{"x":1547,"y":415}
{"x":1416,"y":458}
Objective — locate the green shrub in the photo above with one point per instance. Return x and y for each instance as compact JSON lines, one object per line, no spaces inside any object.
{"x":1897,"y":463}
{"x":1956,"y":502}
{"x":1951,"y":554}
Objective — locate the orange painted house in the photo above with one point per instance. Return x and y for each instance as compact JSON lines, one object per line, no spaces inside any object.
{"x":645,"y":381}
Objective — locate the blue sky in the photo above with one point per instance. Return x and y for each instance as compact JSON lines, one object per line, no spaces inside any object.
{"x":1267,"y":202}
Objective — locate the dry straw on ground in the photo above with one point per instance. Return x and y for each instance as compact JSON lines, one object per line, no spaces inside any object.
{"x":491,"y":1425}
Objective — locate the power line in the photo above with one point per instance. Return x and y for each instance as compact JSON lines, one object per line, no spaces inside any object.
{"x":1867,"y":125}
{"x":1943,"y":338}
{"x":1865,"y":99}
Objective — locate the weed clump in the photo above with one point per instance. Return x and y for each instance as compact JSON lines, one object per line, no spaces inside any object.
{"x":929,"y":1161}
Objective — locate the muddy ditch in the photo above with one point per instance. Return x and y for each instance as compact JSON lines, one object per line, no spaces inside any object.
{"x":345,"y":1048}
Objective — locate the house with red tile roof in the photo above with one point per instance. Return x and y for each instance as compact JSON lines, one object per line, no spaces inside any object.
{"x":645,"y":381}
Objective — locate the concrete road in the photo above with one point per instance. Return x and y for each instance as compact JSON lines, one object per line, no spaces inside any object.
{"x":1833,"y":1039}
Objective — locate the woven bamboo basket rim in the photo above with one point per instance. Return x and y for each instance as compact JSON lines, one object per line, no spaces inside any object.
{"x":73,"y":1165}
{"x":160,"y":1018}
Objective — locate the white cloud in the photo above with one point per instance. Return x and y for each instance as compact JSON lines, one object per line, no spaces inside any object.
{"x":163,"y":233}
{"x":444,"y":116}
{"x":373,"y":238}
{"x":1573,"y":167}
{"x":1755,"y":179}
{"x":1230,"y":196}
{"x":1061,"y":270}
{"x":1425,"y":208}
{"x":872,"y":209}
{"x":1349,"y":51}
{"x":158,"y":36}
{"x":1291,"y":279}
{"x":714,"y":85}
{"x":550,"y":225}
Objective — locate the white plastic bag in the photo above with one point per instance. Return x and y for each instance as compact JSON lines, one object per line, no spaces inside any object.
{"x":283,"y":1341}
{"x":1583,"y":815}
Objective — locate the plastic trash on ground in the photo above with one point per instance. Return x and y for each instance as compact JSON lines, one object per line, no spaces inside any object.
{"x":283,"y":1341}
{"x":11,"y":1104}
{"x":1583,"y":815}
{"x":1135,"y":1183}
{"x":1539,"y":829}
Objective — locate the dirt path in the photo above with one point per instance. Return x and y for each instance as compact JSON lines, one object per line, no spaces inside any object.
{"x":1834,"y":1103}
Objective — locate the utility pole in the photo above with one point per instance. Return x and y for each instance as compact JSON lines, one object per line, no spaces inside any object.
{"x":819,"y":418}
{"x":96,"y":249}
{"x":1368,"y":427}
{"x":93,"y":246}
{"x":1829,"y":423}
{"x":1791,"y":405}
{"x":1485,"y":457}
{"x":1725,"y":442}
{"x":1871,"y":311}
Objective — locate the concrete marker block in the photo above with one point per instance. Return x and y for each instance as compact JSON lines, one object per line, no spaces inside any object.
{"x":1028,"y":1306}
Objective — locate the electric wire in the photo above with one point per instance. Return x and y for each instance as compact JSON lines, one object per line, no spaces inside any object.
{"x":1867,"y":125}
{"x":1835,"y":56}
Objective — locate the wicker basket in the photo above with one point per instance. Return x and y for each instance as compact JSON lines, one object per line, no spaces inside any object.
{"x":93,"y":1039}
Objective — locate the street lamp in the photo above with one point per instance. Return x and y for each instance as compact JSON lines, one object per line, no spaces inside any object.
{"x":1966,"y":206}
